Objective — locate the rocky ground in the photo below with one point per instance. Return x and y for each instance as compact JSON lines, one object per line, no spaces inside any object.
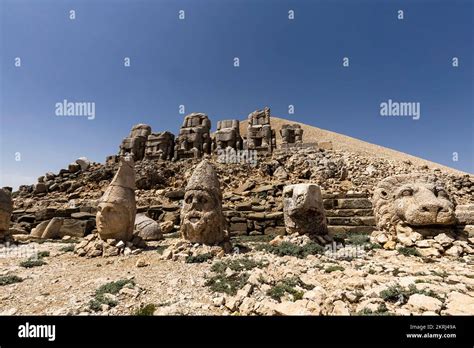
{"x":261,"y":275}
{"x":257,"y":278}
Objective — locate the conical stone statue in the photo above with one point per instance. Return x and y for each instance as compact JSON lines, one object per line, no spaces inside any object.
{"x":6,"y":208}
{"x":202,"y":220}
{"x":116,"y":211}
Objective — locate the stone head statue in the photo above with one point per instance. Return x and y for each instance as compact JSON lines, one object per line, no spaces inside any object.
{"x":413,"y":200}
{"x":303,"y":209}
{"x":6,"y":208}
{"x":117,"y":208}
{"x":201,"y":215}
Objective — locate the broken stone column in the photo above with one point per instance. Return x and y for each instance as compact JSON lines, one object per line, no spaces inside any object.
{"x":117,"y":209}
{"x":6,"y":208}
{"x":202,"y":220}
{"x":303,"y":210}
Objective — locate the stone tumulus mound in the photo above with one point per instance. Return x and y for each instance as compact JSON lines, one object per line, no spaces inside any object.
{"x":202,"y":220}
{"x":6,"y":208}
{"x":116,"y":211}
{"x":414,"y":200}
{"x":303,"y":210}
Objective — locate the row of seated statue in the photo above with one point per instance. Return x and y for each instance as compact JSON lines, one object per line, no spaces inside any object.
{"x":195,"y":138}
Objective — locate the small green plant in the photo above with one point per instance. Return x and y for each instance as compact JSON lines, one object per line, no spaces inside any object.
{"x":442,"y":274}
{"x":396,"y":271}
{"x":30,"y":263}
{"x":227,"y":284}
{"x":110,"y":288}
{"x":146,"y":310}
{"x":287,"y":286}
{"x":42,"y":254}
{"x":199,"y":258}
{"x":10,"y":279}
{"x":372,"y":246}
{"x":333,"y":269}
{"x":67,"y":248}
{"x":357,"y":239}
{"x":287,"y":248}
{"x":396,"y":293}
{"x":340,"y":237}
{"x":237,"y":265}
{"x":407,"y":251}
{"x":371,"y":271}
{"x":161,"y":248}
{"x":381,"y":310}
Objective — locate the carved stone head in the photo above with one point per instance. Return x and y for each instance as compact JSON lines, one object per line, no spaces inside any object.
{"x":201,"y":215}
{"x":6,"y":208}
{"x":116,"y":211}
{"x":413,"y":200}
{"x":303,"y":209}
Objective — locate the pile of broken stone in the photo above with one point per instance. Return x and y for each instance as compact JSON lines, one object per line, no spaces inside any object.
{"x":296,"y":189}
{"x":429,"y":220}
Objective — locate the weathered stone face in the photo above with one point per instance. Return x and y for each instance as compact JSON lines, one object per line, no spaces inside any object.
{"x":6,"y":208}
{"x":413,"y":200}
{"x":116,"y":211}
{"x":201,"y":215}
{"x":303,"y":209}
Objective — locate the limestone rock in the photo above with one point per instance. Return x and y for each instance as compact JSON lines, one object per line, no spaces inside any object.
{"x":146,"y":228}
{"x":116,"y":210}
{"x":194,"y":139}
{"x":84,"y":163}
{"x":459,"y":304}
{"x":340,"y":308}
{"x":413,"y":200}
{"x":201,"y":215}
{"x":6,"y":208}
{"x":424,"y":303}
{"x":167,"y":227}
{"x":303,"y":209}
{"x":228,"y":136}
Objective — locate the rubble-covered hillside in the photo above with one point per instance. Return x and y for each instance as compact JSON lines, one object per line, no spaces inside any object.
{"x":265,"y":271}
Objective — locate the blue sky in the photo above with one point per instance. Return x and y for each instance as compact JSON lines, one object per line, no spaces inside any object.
{"x":190,"y":62}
